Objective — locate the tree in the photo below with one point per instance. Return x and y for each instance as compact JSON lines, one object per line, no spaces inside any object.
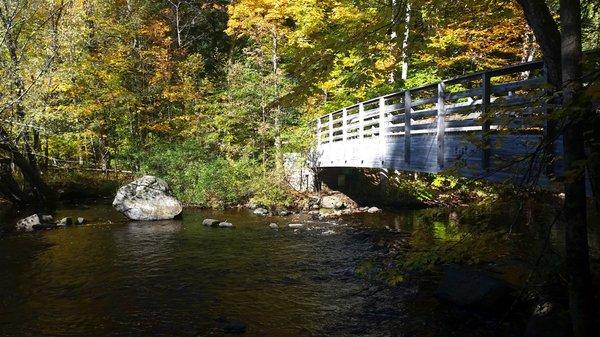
{"x":29,"y":48}
{"x":562,"y":54}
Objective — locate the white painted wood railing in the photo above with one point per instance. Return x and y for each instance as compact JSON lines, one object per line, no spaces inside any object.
{"x":501,"y":99}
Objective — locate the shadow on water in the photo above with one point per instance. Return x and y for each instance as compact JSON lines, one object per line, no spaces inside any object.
{"x":179,"y":278}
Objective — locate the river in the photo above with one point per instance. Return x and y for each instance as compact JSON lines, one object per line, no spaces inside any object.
{"x":113,"y":277}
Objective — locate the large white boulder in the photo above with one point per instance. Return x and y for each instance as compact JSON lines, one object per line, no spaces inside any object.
{"x":147,"y":198}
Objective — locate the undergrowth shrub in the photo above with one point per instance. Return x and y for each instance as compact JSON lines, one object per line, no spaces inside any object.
{"x":201,"y":179}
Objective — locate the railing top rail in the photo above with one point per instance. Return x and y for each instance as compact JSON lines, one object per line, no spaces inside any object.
{"x":492,"y":72}
{"x":511,"y":69}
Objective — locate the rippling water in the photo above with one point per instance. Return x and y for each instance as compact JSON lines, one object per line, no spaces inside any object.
{"x":179,"y":278}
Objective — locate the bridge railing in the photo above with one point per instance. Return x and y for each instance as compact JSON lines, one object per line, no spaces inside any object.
{"x":515,"y":94}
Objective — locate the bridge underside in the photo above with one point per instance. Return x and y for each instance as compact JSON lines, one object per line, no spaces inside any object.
{"x":510,"y":155}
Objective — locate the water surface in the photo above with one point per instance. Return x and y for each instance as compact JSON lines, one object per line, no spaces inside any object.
{"x":113,"y":277}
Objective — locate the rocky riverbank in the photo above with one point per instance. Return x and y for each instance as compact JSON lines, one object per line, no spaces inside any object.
{"x":324,"y":205}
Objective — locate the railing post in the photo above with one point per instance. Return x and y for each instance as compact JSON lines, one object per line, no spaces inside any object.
{"x":344,"y":124}
{"x":319,"y":130}
{"x":441,"y":124}
{"x":407,"y":124}
{"x":485,"y":128}
{"x":382,"y":129}
{"x":549,"y":129}
{"x":361,"y":122}
{"x":331,"y":128}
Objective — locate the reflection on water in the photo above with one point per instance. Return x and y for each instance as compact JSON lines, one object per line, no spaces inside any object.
{"x":179,"y":278}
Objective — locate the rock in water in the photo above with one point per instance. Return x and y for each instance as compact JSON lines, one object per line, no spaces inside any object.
{"x":373,"y":210}
{"x":27,"y":223}
{"x":261,"y":211}
{"x":467,"y":287}
{"x":210,"y":222}
{"x":273,"y":225}
{"x":225,"y":224}
{"x":549,"y":320}
{"x":234,"y":328}
{"x":81,"y":221}
{"x":36,"y":221}
{"x":296,"y":225}
{"x":147,"y":198}
{"x":65,"y":222}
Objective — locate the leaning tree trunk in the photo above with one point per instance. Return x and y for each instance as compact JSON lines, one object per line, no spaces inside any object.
{"x":576,"y":238}
{"x":41,"y":193}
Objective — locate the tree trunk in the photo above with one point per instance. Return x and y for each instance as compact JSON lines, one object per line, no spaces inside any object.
{"x":405,"y":42}
{"x":576,"y":238}
{"x":546,"y":33}
{"x":393,"y":36}
{"x":41,"y":192}
{"x":277,"y":114}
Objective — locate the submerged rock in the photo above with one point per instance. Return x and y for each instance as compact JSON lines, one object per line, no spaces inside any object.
{"x":273,"y":225}
{"x":210,"y":222}
{"x":147,"y":198}
{"x":549,"y":320}
{"x":44,"y":226}
{"x":231,"y":326}
{"x":296,"y":225}
{"x":225,"y":224}
{"x":234,"y":327}
{"x":467,"y":287}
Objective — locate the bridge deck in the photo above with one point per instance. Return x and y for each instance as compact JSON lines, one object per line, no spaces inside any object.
{"x":489,"y":124}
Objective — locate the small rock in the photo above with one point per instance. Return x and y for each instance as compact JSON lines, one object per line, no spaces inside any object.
{"x":315,"y":207}
{"x":210,"y":222}
{"x":261,"y":211}
{"x":332,"y":202}
{"x":65,"y":222}
{"x":467,"y":287}
{"x":234,"y":327}
{"x":285,"y":213}
{"x":27,"y":224}
{"x":81,"y":221}
{"x":296,"y":225}
{"x":315,"y":212}
{"x":225,"y":224}
{"x":47,"y":218}
{"x":549,"y":320}
{"x":274,"y":225}
{"x":373,"y":210}
{"x":328,"y":232}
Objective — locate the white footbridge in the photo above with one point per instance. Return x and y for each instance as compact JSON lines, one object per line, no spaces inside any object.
{"x":492,"y":124}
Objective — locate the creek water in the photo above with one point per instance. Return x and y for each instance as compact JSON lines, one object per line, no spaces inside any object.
{"x":113,"y":277}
